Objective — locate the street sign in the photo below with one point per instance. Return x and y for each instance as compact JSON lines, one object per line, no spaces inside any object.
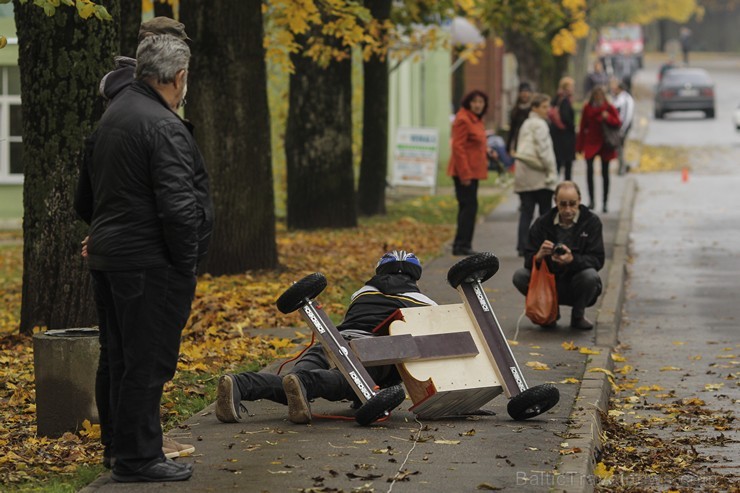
{"x":415,"y":157}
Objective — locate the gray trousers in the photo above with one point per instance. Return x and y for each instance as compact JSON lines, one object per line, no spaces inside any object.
{"x":579,"y":291}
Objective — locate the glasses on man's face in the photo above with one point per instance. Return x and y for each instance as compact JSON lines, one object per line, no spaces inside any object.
{"x":568,"y":203}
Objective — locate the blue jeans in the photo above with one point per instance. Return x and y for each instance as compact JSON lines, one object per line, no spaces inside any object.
{"x":141,"y":315}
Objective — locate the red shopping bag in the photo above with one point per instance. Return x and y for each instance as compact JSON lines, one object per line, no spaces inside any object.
{"x":541,"y":305}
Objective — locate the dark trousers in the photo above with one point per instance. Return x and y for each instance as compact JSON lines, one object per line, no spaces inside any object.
{"x":590,"y":179}
{"x":142,"y":314}
{"x":316,"y":375}
{"x":579,"y":291}
{"x":467,"y":203}
{"x":541,"y":198}
{"x":567,"y":166}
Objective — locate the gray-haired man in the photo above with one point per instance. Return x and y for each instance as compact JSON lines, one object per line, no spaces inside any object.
{"x":151,"y":221}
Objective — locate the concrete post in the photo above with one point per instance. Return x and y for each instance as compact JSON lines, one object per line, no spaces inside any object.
{"x":65,"y":362}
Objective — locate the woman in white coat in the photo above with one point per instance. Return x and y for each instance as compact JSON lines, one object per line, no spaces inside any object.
{"x":535,"y":173}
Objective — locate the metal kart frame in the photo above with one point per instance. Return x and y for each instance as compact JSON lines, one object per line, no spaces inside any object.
{"x":463,"y":343}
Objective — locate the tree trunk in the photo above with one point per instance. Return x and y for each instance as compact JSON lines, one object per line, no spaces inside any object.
{"x":374,"y":163}
{"x":318,"y":145}
{"x":61,"y":60}
{"x":527,"y":56}
{"x":162,"y":8}
{"x":130,"y":20}
{"x":228,"y":103}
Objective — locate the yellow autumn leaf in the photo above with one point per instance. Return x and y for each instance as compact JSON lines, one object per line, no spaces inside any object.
{"x":618,"y":358}
{"x":536,"y":365}
{"x":603,"y":472}
{"x":623,"y":370}
{"x":601,"y":370}
{"x":678,"y":343}
{"x":569,"y":346}
{"x":693,"y":401}
{"x":713,"y":386}
{"x":447,"y":442}
{"x":585,"y":350}
{"x":570,"y":380}
{"x":670,"y":368}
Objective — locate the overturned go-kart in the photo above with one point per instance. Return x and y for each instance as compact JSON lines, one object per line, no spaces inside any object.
{"x":453,"y":359}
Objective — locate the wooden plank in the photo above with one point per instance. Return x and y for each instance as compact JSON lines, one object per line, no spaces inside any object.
{"x":386,"y":350}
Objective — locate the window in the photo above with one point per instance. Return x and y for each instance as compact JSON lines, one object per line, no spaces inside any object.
{"x":11,"y":126}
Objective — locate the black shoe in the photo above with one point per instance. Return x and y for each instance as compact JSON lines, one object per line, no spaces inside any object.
{"x":463,"y":252}
{"x":299,"y":410}
{"x":604,"y":209}
{"x":581,"y":323}
{"x":591,"y":205}
{"x":228,"y":401}
{"x":550,"y":326}
{"x":155,"y":471}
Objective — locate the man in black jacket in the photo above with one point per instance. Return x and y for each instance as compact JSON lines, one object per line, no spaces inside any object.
{"x":569,"y":238}
{"x":393,"y":286}
{"x":144,"y":189}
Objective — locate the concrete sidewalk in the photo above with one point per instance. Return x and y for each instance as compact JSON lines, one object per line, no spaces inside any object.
{"x":557,"y":449}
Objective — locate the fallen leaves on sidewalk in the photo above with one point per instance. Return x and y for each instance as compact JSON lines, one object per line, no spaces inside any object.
{"x":223,"y":332}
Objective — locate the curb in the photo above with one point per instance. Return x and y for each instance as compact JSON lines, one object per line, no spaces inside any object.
{"x":575,"y":471}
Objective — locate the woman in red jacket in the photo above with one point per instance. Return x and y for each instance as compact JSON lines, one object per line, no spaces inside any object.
{"x":590,"y":139}
{"x":468,"y":165}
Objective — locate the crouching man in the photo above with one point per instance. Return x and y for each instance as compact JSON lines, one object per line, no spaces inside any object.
{"x":569,"y":238}
{"x":393,"y":286}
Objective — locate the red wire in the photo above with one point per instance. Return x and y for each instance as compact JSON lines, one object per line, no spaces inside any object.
{"x":313,"y":336}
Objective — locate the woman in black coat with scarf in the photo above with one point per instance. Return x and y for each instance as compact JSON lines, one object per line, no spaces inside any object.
{"x":563,"y":127}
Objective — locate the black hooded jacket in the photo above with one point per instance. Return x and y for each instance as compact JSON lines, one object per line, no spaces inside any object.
{"x":143,"y":187}
{"x":378,"y":299}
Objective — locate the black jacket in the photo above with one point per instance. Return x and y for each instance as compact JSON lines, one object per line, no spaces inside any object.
{"x":586,"y":241}
{"x":378,"y":299}
{"x":143,"y":187}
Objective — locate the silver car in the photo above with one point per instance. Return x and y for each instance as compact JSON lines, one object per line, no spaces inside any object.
{"x":685,"y":89}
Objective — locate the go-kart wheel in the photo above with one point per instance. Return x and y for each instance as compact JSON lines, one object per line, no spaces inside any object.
{"x":384,"y":401}
{"x":479,"y":267}
{"x":533,"y":402}
{"x":295,"y":296}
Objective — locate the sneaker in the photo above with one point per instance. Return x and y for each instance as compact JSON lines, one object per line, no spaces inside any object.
{"x":173,"y":449}
{"x":299,"y":410}
{"x":155,"y":471}
{"x":581,"y":323}
{"x":228,"y":401}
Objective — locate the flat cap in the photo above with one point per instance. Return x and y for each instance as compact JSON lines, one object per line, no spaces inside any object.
{"x":163,"y":25}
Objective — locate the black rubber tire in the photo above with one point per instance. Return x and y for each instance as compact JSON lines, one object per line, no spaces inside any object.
{"x":658,"y":114}
{"x":295,"y":296}
{"x":709,"y":113}
{"x":533,"y":402}
{"x":384,"y":401}
{"x":479,"y":267}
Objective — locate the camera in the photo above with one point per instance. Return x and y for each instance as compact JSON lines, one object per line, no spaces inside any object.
{"x":559,"y":249}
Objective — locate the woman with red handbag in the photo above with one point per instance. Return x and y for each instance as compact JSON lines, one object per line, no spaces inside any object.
{"x":590,"y":140}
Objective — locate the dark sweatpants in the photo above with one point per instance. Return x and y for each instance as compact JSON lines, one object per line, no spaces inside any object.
{"x":316,"y":375}
{"x":142,"y":314}
{"x":579,"y":291}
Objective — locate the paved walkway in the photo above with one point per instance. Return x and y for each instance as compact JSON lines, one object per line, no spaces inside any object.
{"x":268,"y":453}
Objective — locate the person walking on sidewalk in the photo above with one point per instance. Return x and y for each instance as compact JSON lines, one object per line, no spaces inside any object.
{"x":570,"y":239}
{"x":535,"y":173}
{"x":393,"y":286}
{"x":590,"y":139}
{"x":518,"y":114}
{"x":468,"y":165}
{"x":625,"y":105}
{"x":148,"y":196}
{"x":563,"y":127}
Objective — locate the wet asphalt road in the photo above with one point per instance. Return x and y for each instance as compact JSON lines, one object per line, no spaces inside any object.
{"x":681,"y":320}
